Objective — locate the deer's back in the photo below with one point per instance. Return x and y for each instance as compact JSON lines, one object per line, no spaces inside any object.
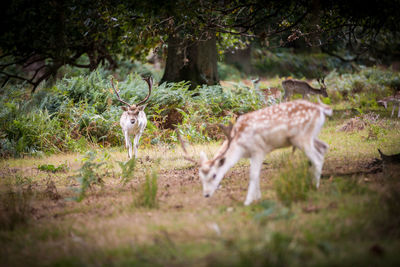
{"x":277,"y":124}
{"x":300,"y":87}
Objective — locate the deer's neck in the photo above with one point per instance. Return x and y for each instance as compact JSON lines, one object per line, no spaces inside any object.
{"x":315,"y":90}
{"x":232,"y":156}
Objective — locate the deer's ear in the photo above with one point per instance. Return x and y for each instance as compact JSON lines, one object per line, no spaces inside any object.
{"x":141,"y":108}
{"x":124,"y":108}
{"x":203,"y":157}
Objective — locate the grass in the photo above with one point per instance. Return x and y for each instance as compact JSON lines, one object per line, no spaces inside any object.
{"x":351,"y":220}
{"x":293,"y":182}
{"x":147,"y":193}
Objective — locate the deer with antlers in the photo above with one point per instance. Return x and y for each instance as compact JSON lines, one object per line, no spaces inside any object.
{"x":133,"y":120}
{"x":301,"y":87}
{"x":296,"y":123}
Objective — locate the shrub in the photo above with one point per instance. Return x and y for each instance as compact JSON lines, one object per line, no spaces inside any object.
{"x":51,"y":168}
{"x":81,"y":112}
{"x":91,"y":173}
{"x":127,"y":169}
{"x":30,"y":132}
{"x":362,"y":88}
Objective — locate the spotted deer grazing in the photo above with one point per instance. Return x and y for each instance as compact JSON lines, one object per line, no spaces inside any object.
{"x":133,"y":120}
{"x":301,"y":87}
{"x":395,"y":100}
{"x":296,"y":123}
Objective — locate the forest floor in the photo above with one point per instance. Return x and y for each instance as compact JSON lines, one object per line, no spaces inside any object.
{"x":352,"y":219}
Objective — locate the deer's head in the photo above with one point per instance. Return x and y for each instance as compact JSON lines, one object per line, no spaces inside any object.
{"x":133,"y":109}
{"x":211,"y":171}
{"x":322,"y":87}
{"x":133,"y":112}
{"x":382,"y":102}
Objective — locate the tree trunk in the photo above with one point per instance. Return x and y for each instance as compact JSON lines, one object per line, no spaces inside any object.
{"x":195,"y":62}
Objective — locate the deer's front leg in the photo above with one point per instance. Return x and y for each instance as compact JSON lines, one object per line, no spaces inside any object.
{"x":136,"y":143}
{"x":254,"y":191}
{"x":128,"y":144}
{"x":285,"y":97}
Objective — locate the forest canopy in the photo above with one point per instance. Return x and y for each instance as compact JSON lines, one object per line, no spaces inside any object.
{"x":42,"y":36}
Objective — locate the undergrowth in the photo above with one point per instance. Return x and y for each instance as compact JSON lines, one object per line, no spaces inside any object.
{"x":92,"y":173}
{"x":146,"y":196}
{"x":15,"y":204}
{"x":127,"y":169}
{"x":81,"y":112}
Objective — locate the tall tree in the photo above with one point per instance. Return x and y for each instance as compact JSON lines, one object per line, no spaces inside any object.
{"x":39,"y":37}
{"x":355,"y":27}
{"x":193,"y":61}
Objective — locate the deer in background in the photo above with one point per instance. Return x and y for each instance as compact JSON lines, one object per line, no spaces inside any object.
{"x":271,"y":94}
{"x":133,"y":120}
{"x":296,"y":123}
{"x":395,"y":100}
{"x":301,"y":87}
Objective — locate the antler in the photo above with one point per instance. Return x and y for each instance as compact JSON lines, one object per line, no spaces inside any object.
{"x":149,"y":81}
{"x":227,"y":131}
{"x":185,"y":156}
{"x":116,"y":92}
{"x":321,"y":82}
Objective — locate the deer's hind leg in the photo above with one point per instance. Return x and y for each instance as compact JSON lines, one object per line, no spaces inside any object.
{"x":316,"y":158}
{"x":393,"y":108}
{"x":320,"y":146}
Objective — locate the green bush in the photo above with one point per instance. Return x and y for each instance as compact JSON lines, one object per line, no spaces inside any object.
{"x":51,"y":168}
{"x":29,"y":132}
{"x":91,"y":173}
{"x":372,"y":83}
{"x":127,"y":169}
{"x":81,"y":112}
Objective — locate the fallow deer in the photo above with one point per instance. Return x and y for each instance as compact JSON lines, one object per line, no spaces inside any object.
{"x":296,"y":123}
{"x":133,"y":120}
{"x":395,"y":100}
{"x":271,"y":94}
{"x":291,"y":86}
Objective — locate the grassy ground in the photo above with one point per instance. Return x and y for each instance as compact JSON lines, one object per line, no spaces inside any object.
{"x":353,"y":219}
